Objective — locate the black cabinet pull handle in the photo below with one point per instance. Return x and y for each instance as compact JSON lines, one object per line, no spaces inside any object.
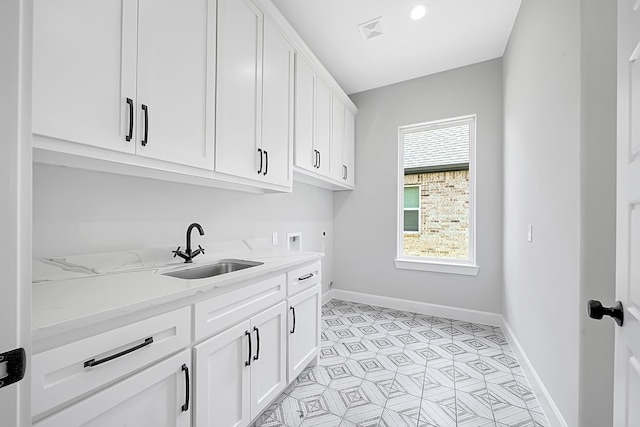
{"x":260,"y":153}
{"x":257,"y":356}
{"x":130,"y":134}
{"x":145,"y":141}
{"x":308,"y":276}
{"x":248,"y":335}
{"x":315,"y":158}
{"x":319,"y":159}
{"x":185,"y":369}
{"x":93,"y":362}
{"x":293,"y":330}
{"x":346,"y":171}
{"x":266,"y":162}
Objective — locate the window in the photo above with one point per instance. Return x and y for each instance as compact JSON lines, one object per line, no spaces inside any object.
{"x":436,"y":196}
{"x":412,"y":209}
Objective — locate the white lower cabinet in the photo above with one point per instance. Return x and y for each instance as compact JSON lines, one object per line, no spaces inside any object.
{"x":159,"y":396}
{"x":304,"y":330}
{"x":241,"y":370}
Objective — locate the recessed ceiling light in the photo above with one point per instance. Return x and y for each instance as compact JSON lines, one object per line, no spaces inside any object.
{"x":418,"y":11}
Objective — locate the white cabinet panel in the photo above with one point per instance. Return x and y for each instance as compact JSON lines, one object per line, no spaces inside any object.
{"x":322,"y":141}
{"x":239,"y":74}
{"x":155,"y":397}
{"x":84,"y":59}
{"x":337,"y":139}
{"x":268,"y":365}
{"x":176,"y":81}
{"x":305,"y":79}
{"x":277,"y":106}
{"x":348,"y":148}
{"x":304,"y":330}
{"x":222,"y":379}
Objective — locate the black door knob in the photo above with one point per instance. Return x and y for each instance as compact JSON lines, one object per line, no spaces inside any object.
{"x":596,"y":311}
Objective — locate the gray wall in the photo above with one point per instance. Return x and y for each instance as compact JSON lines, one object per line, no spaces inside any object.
{"x":559,"y":175}
{"x":365,"y":219}
{"x":76,"y":212}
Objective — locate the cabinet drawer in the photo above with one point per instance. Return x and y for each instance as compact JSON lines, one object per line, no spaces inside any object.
{"x":218,"y":313}
{"x":63,"y":373}
{"x":303,"y":278}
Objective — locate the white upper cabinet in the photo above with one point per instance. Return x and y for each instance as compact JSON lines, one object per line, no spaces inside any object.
{"x":84,"y":59}
{"x":323,"y":131}
{"x":239,"y":73}
{"x":254,"y":96}
{"x":175,"y":81}
{"x":349,"y":147}
{"x":337,"y":139}
{"x":277,"y":107}
{"x":125,"y":75}
{"x":305,"y":155}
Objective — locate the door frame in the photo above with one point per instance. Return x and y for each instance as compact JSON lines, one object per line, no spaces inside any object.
{"x":16,"y":22}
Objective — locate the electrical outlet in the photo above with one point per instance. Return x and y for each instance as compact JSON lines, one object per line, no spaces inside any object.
{"x":274,"y":238}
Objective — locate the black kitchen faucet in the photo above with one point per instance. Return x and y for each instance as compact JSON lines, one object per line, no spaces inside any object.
{"x":189,"y":255}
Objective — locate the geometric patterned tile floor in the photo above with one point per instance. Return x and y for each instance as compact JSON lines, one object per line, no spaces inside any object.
{"x":384,"y":367}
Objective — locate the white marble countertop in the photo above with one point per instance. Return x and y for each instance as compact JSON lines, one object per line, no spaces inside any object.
{"x":71,"y":292}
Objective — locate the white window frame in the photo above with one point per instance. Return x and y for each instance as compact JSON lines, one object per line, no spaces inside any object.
{"x":436,"y":264}
{"x":419,"y":208}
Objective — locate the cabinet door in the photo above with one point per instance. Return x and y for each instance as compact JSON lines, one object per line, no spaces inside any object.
{"x":155,"y":397}
{"x":277,"y":101}
{"x":337,"y":139}
{"x":176,"y":51}
{"x":268,"y":365}
{"x":322,"y":141}
{"x":348,"y":147}
{"x":305,"y":157}
{"x":84,"y":69}
{"x":239,"y":75}
{"x":304,"y":330}
{"x":222,"y":380}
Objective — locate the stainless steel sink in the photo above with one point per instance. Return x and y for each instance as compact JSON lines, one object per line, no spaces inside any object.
{"x":210,"y":270}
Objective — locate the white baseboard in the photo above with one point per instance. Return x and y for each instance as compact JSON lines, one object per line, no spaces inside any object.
{"x":474,"y":316}
{"x":547,"y":404}
{"x":327,"y":296}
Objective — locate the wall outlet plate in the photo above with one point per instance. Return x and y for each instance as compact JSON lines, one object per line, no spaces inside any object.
{"x":274,"y":238}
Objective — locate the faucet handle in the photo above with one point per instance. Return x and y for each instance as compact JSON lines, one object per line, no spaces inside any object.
{"x":201,"y":249}
{"x":175,"y":253}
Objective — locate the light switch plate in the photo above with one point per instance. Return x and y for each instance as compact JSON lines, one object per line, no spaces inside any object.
{"x":274,"y":238}
{"x":530,"y":233}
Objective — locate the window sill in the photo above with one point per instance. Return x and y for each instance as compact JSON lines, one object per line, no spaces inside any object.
{"x":437,"y":267}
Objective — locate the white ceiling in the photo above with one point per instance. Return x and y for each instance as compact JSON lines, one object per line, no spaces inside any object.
{"x":454,"y":33}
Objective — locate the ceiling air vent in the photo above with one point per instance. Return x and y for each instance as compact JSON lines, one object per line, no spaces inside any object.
{"x":371,"y":29}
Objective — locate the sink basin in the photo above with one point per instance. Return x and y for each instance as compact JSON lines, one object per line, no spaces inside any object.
{"x":210,"y":270}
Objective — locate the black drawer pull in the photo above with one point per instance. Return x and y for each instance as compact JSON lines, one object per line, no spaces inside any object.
{"x":293,"y":330}
{"x":260,"y":153}
{"x":319,"y":159}
{"x":248,"y":335}
{"x":130,"y":134}
{"x":93,"y":362}
{"x":145,"y":141}
{"x":308,"y":276}
{"x":185,"y":369}
{"x":257,"y":356}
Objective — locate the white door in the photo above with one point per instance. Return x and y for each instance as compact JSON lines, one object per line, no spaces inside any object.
{"x":304,"y":330}
{"x":268,"y":364}
{"x":337,"y":139}
{"x":239,"y":79}
{"x":349,"y":146}
{"x":175,"y":94}
{"x":627,"y":353}
{"x":159,"y":396}
{"x":15,"y":209}
{"x":305,"y":155}
{"x":322,"y":142}
{"x":84,"y":71}
{"x":222,"y":378}
{"x":277,"y":106}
